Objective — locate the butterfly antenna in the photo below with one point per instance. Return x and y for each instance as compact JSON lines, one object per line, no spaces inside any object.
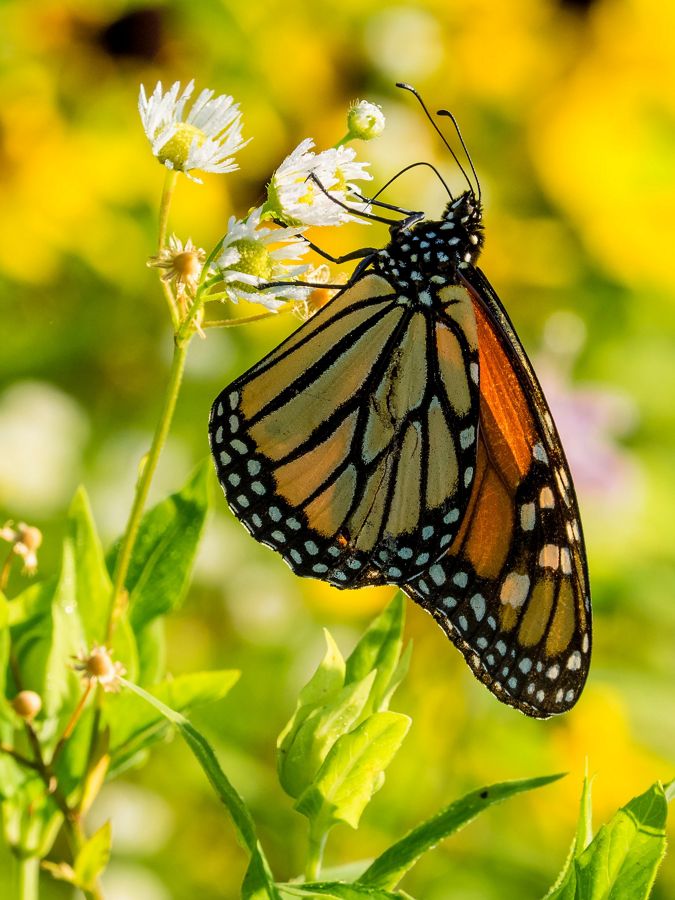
{"x":407,"y":169}
{"x":446,"y":112}
{"x":409,"y":87}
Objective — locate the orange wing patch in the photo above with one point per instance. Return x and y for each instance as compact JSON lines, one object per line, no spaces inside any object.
{"x":511,"y":591}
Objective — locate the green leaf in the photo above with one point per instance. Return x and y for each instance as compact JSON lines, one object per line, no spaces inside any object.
{"x":31,"y":628}
{"x":338,"y":890}
{"x":93,"y":857}
{"x":669,"y":790}
{"x":379,"y":648}
{"x":84,"y":579}
{"x":151,"y":643}
{"x":305,"y":749}
{"x":45,"y":640}
{"x":352,"y":771}
{"x":134,"y":724}
{"x":325,"y":682}
{"x":164,"y":551}
{"x":328,"y":678}
{"x":31,"y":819}
{"x":30,"y":604}
{"x":582,"y":838}
{"x":258,"y":882}
{"x":388,"y":869}
{"x":55,"y":620}
{"x":584,"y":834}
{"x":398,"y":676}
{"x":621,"y":861}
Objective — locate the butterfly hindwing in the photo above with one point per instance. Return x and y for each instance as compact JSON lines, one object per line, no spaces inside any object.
{"x":512,"y":590}
{"x":350,"y":449}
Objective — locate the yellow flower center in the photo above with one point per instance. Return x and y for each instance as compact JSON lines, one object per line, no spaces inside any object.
{"x":341,"y":182}
{"x":308,"y":196}
{"x":254,"y":258}
{"x":176,"y":149}
{"x":99,"y":664}
{"x":187,"y":265}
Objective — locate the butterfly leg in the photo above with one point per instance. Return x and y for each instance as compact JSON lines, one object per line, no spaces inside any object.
{"x":347,"y":257}
{"x":350,"y":209}
{"x":373,"y":202}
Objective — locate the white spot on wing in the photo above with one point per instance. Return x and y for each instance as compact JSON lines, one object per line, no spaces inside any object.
{"x":437,"y":574}
{"x":527,"y":516}
{"x":574,"y":662}
{"x":515,"y":588}
{"x":549,"y":557}
{"x":546,"y":498}
{"x":478,"y":606}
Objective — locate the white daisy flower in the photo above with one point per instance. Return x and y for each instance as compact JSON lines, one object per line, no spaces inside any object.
{"x":296,"y":199}
{"x":365,"y":120}
{"x":248,"y":259}
{"x":206,"y":138}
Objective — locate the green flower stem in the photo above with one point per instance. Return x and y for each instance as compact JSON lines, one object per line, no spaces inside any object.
{"x":72,"y":722}
{"x":344,"y":140}
{"x":149,"y":467}
{"x":165,"y":205}
{"x":22,"y":760}
{"x":243,"y":320}
{"x":317,"y":845}
{"x":29,"y":878}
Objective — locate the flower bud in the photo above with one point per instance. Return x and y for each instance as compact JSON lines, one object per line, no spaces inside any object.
{"x":365,"y":120}
{"x":27,"y":704}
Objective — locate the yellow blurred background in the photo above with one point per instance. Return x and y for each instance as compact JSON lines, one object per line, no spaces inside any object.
{"x":568,"y":109}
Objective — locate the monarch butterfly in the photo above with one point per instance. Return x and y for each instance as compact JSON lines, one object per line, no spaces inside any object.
{"x":400,"y":436}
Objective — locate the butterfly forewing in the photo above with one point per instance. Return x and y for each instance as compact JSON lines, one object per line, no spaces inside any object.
{"x":512,"y":590}
{"x":350,"y":449}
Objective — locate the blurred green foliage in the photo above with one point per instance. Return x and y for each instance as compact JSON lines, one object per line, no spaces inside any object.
{"x":569,"y":112}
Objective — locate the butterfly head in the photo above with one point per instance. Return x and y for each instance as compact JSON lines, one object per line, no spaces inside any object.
{"x":463,"y":222}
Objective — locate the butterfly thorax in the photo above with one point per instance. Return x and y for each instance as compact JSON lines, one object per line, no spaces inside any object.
{"x":422,"y":258}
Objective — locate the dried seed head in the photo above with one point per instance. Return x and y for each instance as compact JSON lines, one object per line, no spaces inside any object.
{"x":97,"y":666}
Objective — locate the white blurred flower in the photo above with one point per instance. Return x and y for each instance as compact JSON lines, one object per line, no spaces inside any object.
{"x":206,"y":138}
{"x":249,"y":259}
{"x":365,"y":120}
{"x":296,"y":199}
{"x":180,"y":264}
{"x":44,"y":432}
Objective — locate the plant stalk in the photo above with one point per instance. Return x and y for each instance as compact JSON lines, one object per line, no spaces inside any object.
{"x":143,"y":484}
{"x":72,"y":722}
{"x":164,"y":207}
{"x":243,"y":320}
{"x":29,"y":878}
{"x":317,"y":845}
